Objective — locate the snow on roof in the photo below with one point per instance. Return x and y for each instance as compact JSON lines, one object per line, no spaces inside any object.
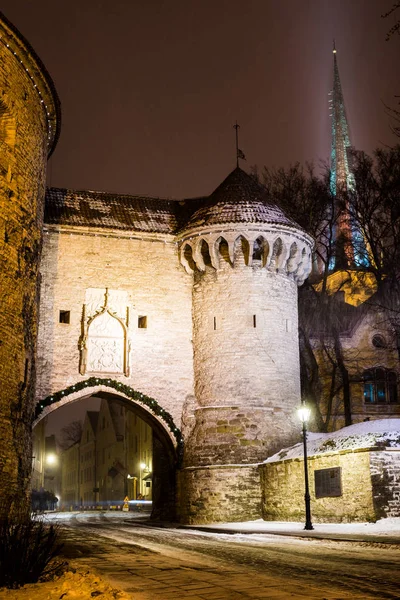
{"x":384,"y":433}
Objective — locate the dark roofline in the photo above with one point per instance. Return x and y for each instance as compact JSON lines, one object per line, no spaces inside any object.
{"x":46,"y":76}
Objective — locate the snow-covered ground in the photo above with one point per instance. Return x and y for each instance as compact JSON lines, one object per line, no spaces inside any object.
{"x":383,"y":527}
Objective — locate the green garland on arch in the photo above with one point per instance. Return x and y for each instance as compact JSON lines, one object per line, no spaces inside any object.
{"x":118,"y":387}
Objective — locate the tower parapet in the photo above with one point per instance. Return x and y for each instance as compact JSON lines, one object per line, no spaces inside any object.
{"x":247,"y":259}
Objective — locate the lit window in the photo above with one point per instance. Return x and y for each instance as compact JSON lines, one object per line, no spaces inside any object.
{"x":380,"y":386}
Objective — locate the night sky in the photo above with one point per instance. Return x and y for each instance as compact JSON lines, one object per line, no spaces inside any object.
{"x":150,"y":90}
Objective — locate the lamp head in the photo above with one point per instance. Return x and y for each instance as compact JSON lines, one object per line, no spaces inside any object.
{"x":304,"y":413}
{"x":51,"y":459}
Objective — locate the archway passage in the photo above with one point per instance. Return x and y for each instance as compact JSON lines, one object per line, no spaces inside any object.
{"x":167,"y":441}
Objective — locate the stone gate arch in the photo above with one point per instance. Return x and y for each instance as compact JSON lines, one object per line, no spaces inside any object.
{"x":167,"y":437}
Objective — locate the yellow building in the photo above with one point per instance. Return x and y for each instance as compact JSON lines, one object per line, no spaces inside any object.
{"x":70,"y":490}
{"x":88,"y":477}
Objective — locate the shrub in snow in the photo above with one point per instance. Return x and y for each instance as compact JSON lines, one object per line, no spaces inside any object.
{"x":28,"y":546}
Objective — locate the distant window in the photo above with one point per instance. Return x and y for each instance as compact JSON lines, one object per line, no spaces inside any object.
{"x":254,"y":321}
{"x":142,"y":322}
{"x":328,"y":482}
{"x":64,"y":316}
{"x":379,"y":341}
{"x":380,"y":386}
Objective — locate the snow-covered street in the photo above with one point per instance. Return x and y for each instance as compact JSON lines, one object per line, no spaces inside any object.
{"x":135,"y":556}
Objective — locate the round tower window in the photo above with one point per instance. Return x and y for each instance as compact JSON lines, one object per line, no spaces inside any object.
{"x":379,"y":341}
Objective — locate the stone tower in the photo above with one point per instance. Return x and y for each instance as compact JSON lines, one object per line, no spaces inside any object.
{"x":247,"y":259}
{"x":29,"y":127}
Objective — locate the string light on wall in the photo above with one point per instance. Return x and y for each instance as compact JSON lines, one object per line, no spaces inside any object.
{"x":46,"y":111}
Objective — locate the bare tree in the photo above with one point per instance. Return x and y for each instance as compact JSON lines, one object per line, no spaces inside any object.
{"x":372,"y":208}
{"x":395,"y":29}
{"x":70,"y":434}
{"x":394,"y":113}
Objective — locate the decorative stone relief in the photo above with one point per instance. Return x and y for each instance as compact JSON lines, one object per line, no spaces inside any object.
{"x":104,"y":344}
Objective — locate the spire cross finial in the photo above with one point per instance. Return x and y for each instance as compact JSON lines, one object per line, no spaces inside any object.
{"x":239,"y":153}
{"x":334,"y":46}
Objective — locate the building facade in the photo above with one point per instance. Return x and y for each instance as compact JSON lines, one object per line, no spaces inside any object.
{"x":114,"y":460}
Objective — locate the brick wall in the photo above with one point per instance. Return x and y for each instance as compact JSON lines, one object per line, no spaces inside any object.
{"x":24,"y":131}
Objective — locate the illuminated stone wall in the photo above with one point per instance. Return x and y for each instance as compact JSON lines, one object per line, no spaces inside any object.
{"x":246,"y":366}
{"x":219,"y":494}
{"x":28,"y":125}
{"x":143,"y":276}
{"x":370,"y":487}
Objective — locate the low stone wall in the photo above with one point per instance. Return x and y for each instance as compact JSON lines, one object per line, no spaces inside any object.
{"x":283,"y":487}
{"x":385,"y":476}
{"x":219,"y":494}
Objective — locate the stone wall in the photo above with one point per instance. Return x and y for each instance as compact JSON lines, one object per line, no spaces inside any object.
{"x":385,"y":476}
{"x":219,"y":494}
{"x":156,"y":286}
{"x":246,"y":364}
{"x":283,"y":489}
{"x":28,"y":105}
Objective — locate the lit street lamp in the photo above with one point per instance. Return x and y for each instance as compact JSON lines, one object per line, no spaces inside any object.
{"x":51,"y":459}
{"x":304,"y":414}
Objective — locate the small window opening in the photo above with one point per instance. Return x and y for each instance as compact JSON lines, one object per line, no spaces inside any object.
{"x":379,"y":341}
{"x":254,"y":321}
{"x":215,"y":323}
{"x":65,"y":316}
{"x":142,"y":322}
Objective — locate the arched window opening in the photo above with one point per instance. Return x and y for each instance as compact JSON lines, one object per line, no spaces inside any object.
{"x":260,"y":250}
{"x":188,"y":256}
{"x":242,"y":249}
{"x":277,"y":250}
{"x":293,"y":250}
{"x":205,"y":253}
{"x":223,"y":249}
{"x":380,"y":386}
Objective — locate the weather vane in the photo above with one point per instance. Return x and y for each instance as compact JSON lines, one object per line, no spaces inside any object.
{"x":239,"y":152}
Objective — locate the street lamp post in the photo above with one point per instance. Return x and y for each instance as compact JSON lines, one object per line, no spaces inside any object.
{"x":304,"y":415}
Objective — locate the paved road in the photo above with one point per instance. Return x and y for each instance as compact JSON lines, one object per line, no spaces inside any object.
{"x":161,"y":563}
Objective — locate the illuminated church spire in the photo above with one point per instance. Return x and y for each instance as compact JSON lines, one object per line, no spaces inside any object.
{"x":341,"y":175}
{"x":350,"y":247}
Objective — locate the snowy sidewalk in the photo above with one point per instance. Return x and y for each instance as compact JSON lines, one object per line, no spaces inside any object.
{"x":386,"y":531}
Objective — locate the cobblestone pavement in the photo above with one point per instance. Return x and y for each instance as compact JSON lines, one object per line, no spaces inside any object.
{"x":160,"y":574}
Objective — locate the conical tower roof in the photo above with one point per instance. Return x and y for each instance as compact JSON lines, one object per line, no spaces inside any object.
{"x":238,"y":199}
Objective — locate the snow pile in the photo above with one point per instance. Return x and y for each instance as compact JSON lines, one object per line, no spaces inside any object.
{"x":380,"y":433}
{"x":75,"y":584}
